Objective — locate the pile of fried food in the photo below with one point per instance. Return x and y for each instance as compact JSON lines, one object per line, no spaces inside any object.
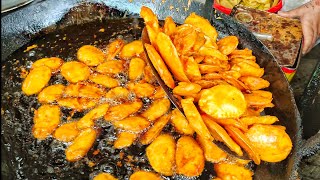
{"x":218,"y":85}
{"x":256,"y":4}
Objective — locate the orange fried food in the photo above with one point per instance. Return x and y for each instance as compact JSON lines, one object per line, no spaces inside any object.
{"x":111,"y":67}
{"x":134,"y":124}
{"x":88,"y":120}
{"x":144,"y":175}
{"x":258,"y":99}
{"x":67,"y":132}
{"x":212,"y":152}
{"x":200,"y":41}
{"x":228,"y":44}
{"x":169,"y":26}
{"x":189,"y":157}
{"x":104,"y":176}
{"x":209,"y":51}
{"x":81,"y":145}
{"x":254,"y":83}
{"x":84,"y":90}
{"x":118,"y":93}
{"x":90,"y":55}
{"x":250,"y":120}
{"x":185,"y":38}
{"x":122,"y":111}
{"x":194,"y":118}
{"x":74,"y":71}
{"x":246,"y":69}
{"x":244,"y":51}
{"x":136,"y":68}
{"x":161,"y":154}
{"x":244,"y":142}
{"x":125,"y":139}
{"x":186,"y":89}
{"x":170,"y":55}
{"x":151,"y":22}
{"x":46,"y":119}
{"x":203,"y":24}
{"x":227,"y":171}
{"x":223,"y":101}
{"x":148,"y":75}
{"x":143,"y":90}
{"x":220,"y":134}
{"x":36,"y":80}
{"x":191,"y":69}
{"x":104,"y":80}
{"x":180,"y":123}
{"x":208,"y":68}
{"x":155,"y":130}
{"x":131,"y":49}
{"x":160,"y":66}
{"x":232,"y":122}
{"x":78,"y":104}
{"x":159,"y":93}
{"x":272,"y":142}
{"x":158,"y":108}
{"x":114,"y":48}
{"x":51,"y":93}
{"x":53,"y":63}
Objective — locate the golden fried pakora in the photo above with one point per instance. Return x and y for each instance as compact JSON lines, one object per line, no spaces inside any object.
{"x":51,"y":93}
{"x":90,"y":55}
{"x":36,"y":80}
{"x":74,"y":71}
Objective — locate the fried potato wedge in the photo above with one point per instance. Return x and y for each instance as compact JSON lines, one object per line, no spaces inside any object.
{"x":228,"y":44}
{"x":207,"y":68}
{"x":194,"y":118}
{"x":133,"y":124}
{"x":250,"y":120}
{"x":161,"y":154}
{"x":125,"y":139}
{"x":184,"y":39}
{"x":104,"y":176}
{"x":149,"y":18}
{"x":244,"y":51}
{"x":246,"y":69}
{"x":81,"y":145}
{"x":232,"y":122}
{"x":46,"y":119}
{"x":136,"y":68}
{"x":142,"y":90}
{"x":158,"y":108}
{"x":131,"y":49}
{"x":170,"y":55}
{"x":36,"y":80}
{"x":74,"y":71}
{"x":255,"y":100}
{"x":122,"y":111}
{"x":144,"y":175}
{"x":66,"y":132}
{"x":111,"y":67}
{"x":186,"y":89}
{"x":209,"y":51}
{"x":104,"y":80}
{"x":272,"y":143}
{"x":180,"y":123}
{"x":169,"y":26}
{"x":191,"y":68}
{"x":90,"y":55}
{"x":159,"y":93}
{"x":212,"y":152}
{"x":114,"y":48}
{"x":51,"y":93}
{"x":84,"y":90}
{"x":155,"y":130}
{"x":148,"y":75}
{"x":227,"y":171}
{"x":189,"y":157}
{"x":78,"y":104}
{"x":88,"y":120}
{"x":54,"y":63}
{"x":254,"y":83}
{"x":117,"y":93}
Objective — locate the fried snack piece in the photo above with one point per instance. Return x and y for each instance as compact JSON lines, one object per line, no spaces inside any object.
{"x":194,"y":118}
{"x":131,"y":49}
{"x":133,"y":124}
{"x":227,"y":44}
{"x":246,"y":69}
{"x":53,"y":63}
{"x":212,"y":152}
{"x":189,"y":157}
{"x":51,"y":93}
{"x":250,"y":120}
{"x":159,"y":93}
{"x":36,"y":80}
{"x":143,"y":90}
{"x":248,"y":61}
{"x":136,"y":68}
{"x":223,"y":101}
{"x":111,"y":67}
{"x":104,"y":80}
{"x":203,"y":24}
{"x":151,"y":22}
{"x":207,"y":68}
{"x":158,"y":108}
{"x":252,"y":112}
{"x":87,"y":121}
{"x":78,"y":104}
{"x":169,"y":26}
{"x":114,"y":48}
{"x":232,"y":122}
{"x":155,"y":130}
{"x":191,"y":69}
{"x":145,"y":175}
{"x":81,"y":145}
{"x":186,"y":89}
{"x":256,"y":99}
{"x":148,"y":75}
{"x":122,"y":111}
{"x":118,"y":93}
{"x":84,"y":90}
{"x":180,"y":123}
{"x":74,"y":71}
{"x":161,"y":154}
{"x":209,"y":51}
{"x":67,"y":132}
{"x":170,"y":55}
{"x":272,"y":143}
{"x":125,"y":139}
{"x":200,"y":41}
{"x":217,"y":130}
{"x":244,"y":51}
{"x":244,"y":142}
{"x":104,"y":176}
{"x":160,"y":66}
{"x":46,"y":119}
{"x":90,"y":55}
{"x":227,"y":171}
{"x":206,"y":84}
{"x":254,"y":83}
{"x":185,"y":38}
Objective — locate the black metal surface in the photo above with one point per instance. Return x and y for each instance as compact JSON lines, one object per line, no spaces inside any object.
{"x":23,"y":157}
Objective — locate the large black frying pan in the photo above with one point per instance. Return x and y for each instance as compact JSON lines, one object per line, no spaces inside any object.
{"x":59,"y":28}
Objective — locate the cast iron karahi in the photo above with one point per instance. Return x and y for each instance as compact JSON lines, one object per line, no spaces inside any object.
{"x":23,"y":157}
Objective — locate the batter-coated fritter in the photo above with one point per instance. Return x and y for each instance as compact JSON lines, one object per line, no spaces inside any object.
{"x":51,"y":93}
{"x":122,"y":111}
{"x":87,"y":121}
{"x":67,"y":132}
{"x":90,"y":55}
{"x":54,"y":63}
{"x":104,"y":80}
{"x":36,"y":80}
{"x":157,"y":109}
{"x":136,"y":68}
{"x":74,"y":71}
{"x":180,"y":123}
{"x":125,"y":139}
